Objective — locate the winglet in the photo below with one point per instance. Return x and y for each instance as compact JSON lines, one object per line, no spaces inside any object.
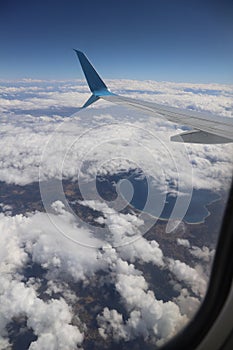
{"x":92,"y":99}
{"x":95,"y":83}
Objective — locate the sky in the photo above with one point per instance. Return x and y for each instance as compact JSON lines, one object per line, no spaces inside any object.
{"x":180,"y":41}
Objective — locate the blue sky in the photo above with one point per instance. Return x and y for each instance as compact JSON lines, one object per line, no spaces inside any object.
{"x":164,"y":40}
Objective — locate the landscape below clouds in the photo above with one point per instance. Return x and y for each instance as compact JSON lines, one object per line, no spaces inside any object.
{"x":69,"y":277}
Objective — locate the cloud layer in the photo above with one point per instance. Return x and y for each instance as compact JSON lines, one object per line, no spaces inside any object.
{"x":37,"y":130}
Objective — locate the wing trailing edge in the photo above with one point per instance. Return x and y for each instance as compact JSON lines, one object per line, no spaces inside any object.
{"x":199,"y":136}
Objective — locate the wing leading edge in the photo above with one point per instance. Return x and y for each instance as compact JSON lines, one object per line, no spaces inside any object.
{"x":207,"y":128}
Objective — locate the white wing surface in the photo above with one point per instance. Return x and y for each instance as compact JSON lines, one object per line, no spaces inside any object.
{"x":206,"y":127}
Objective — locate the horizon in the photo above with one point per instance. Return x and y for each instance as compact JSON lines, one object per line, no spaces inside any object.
{"x":109,"y":80}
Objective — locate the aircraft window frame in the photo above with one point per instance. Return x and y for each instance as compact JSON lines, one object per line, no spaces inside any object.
{"x":218,"y":288}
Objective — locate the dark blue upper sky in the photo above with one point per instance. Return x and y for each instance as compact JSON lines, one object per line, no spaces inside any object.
{"x":186,"y":40}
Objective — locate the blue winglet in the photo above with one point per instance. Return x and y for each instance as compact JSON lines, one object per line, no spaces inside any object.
{"x":94,"y":81}
{"x":91,"y":100}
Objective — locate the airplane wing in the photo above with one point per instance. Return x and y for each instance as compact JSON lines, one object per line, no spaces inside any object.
{"x":206,"y":128}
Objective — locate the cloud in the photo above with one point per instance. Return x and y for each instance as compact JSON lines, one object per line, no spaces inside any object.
{"x":120,"y":225}
{"x":187,"y":304}
{"x":111,"y":324}
{"x":192,"y":277}
{"x":50,"y":320}
{"x":203,"y":253}
{"x":123,"y":227}
{"x":183,"y":242}
{"x":152,"y":319}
